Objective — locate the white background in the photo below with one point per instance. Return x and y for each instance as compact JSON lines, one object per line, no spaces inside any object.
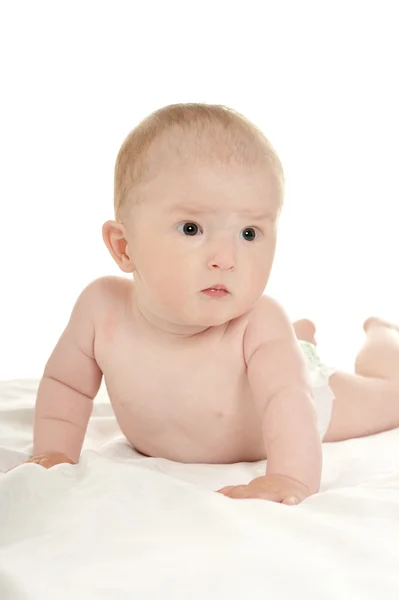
{"x":320,"y":78}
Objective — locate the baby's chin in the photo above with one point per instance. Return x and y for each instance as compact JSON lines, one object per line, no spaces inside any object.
{"x":217,"y":315}
{"x":205,"y":313}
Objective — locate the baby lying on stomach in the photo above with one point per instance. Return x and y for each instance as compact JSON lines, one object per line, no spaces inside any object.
{"x":199,"y":365}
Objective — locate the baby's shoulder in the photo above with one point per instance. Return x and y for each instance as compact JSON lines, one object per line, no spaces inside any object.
{"x":267,"y":321}
{"x":103,"y":295}
{"x":108,"y":287}
{"x":267,"y":310}
{"x":111,"y":287}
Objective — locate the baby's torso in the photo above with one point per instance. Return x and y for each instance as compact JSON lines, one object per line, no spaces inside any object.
{"x":187,"y":401}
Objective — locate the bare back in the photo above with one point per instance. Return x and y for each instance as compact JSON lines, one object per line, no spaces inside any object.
{"x":185,"y":399}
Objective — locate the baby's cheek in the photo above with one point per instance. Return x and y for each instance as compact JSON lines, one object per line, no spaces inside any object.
{"x":169,"y":288}
{"x":256,"y":280}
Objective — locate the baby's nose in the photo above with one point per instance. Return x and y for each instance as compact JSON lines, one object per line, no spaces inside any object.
{"x":222,"y":259}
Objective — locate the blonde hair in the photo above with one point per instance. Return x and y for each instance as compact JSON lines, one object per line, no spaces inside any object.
{"x":211,"y":132}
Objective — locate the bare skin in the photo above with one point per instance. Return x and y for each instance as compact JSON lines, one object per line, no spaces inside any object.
{"x":208,"y":415}
{"x":198,"y":364}
{"x":305,"y":330}
{"x":366,"y":402}
{"x":192,"y":399}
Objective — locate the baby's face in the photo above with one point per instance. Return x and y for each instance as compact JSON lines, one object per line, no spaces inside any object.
{"x":199,"y":227}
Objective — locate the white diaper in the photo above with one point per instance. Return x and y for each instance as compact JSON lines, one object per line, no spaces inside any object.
{"x":322,"y":393}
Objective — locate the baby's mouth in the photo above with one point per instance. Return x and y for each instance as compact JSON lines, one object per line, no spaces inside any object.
{"x":216,"y":291}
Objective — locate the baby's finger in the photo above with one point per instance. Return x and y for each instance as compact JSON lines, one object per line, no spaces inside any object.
{"x":240,"y":491}
{"x":43,"y":461}
{"x":236,"y":491}
{"x":47,"y":463}
{"x":291,"y":500}
{"x":226,"y":490}
{"x":270,"y":496}
{"x":35,"y":459}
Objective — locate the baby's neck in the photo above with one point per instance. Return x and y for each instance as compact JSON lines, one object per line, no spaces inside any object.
{"x":161,"y":328}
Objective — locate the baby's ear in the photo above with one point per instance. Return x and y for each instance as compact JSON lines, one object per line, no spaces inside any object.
{"x":114,"y":236}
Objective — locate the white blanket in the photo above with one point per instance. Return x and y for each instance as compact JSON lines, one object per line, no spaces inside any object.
{"x":121,"y":526}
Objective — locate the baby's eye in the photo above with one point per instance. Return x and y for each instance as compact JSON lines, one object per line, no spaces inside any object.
{"x":189,"y":228}
{"x":249,"y":234}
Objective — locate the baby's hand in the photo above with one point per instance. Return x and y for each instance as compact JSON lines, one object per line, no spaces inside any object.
{"x":50,"y":459}
{"x":276,"y":488}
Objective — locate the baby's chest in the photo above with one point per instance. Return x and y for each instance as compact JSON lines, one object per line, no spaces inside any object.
{"x":147,"y":378}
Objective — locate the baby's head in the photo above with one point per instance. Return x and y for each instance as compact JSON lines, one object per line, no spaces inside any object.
{"x":198,"y":193}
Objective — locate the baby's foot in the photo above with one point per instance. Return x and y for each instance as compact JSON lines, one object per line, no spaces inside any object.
{"x":374,"y":322}
{"x":305,"y":330}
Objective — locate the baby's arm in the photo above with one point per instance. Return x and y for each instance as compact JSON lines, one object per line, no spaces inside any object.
{"x":278,"y":376}
{"x":70,"y":381}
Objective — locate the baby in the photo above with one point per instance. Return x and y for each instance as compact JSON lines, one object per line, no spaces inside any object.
{"x":199,"y":365}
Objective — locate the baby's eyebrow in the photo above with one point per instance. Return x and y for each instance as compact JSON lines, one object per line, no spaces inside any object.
{"x":192,"y":208}
{"x":258,"y":216}
{"x":195,"y":209}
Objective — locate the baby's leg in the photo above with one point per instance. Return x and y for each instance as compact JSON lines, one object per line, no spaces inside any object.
{"x":362,"y":406}
{"x":305,"y":330}
{"x":379,"y":356}
{"x":368,"y":402}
